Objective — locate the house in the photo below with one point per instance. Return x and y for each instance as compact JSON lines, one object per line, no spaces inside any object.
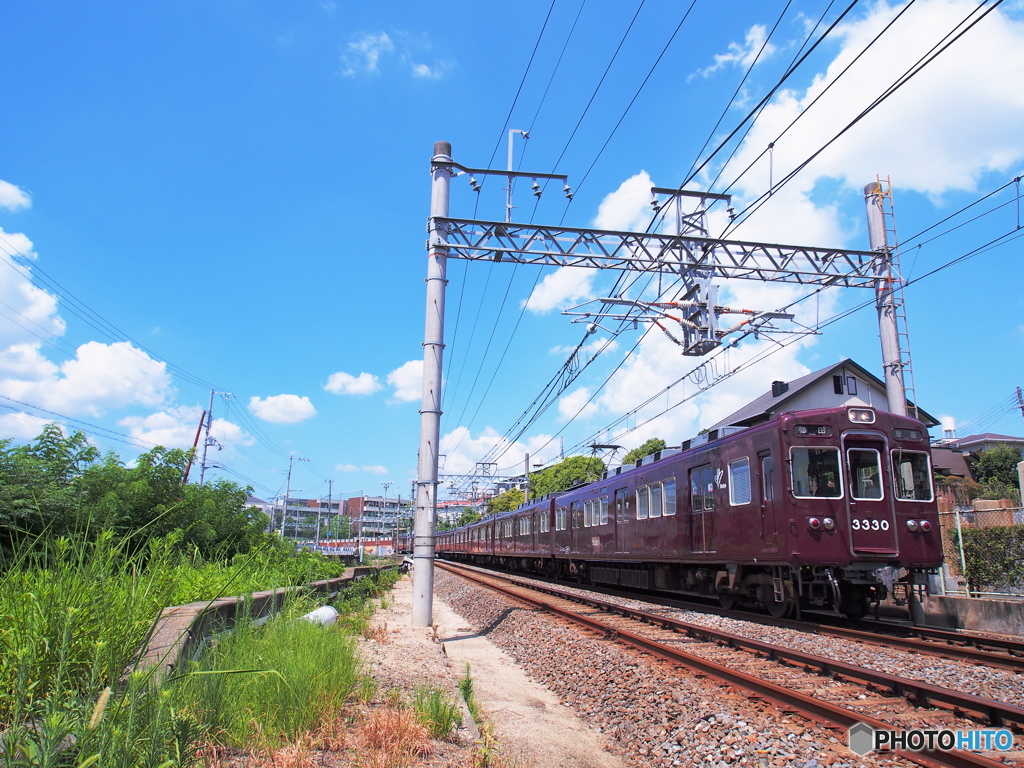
{"x":845,"y":383}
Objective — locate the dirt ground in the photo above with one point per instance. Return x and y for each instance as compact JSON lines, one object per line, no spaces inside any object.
{"x":531,"y":727}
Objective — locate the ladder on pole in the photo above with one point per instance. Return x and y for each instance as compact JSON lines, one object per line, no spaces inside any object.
{"x":899,"y":305}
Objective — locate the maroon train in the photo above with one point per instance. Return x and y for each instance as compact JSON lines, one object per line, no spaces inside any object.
{"x":802,"y":512}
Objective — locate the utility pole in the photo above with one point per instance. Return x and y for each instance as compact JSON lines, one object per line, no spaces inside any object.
{"x":207,"y":441}
{"x":885,"y":301}
{"x":330,"y":490}
{"x":430,"y":408}
{"x":1020,"y":401}
{"x":288,"y":493}
{"x":387,"y":485}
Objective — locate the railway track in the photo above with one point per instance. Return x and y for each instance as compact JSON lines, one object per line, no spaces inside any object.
{"x":987,"y":650}
{"x":833,"y":693}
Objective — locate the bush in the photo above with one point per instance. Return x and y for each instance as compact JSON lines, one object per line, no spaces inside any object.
{"x":994,"y":556}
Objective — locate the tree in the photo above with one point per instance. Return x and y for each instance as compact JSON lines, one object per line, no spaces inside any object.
{"x":651,"y":446}
{"x":469,"y":516}
{"x":566,"y":474}
{"x":505,"y":502}
{"x":54,"y":486}
{"x":996,"y":471}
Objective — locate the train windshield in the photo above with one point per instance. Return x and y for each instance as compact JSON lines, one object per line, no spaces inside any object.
{"x":912,"y":476}
{"x":816,"y":472}
{"x":865,"y":473}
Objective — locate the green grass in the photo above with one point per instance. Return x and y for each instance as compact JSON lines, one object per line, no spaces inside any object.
{"x":436,"y":711}
{"x":72,"y":617}
{"x":261,"y":686}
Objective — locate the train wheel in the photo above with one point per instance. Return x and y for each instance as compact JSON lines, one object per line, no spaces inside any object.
{"x":727,"y":600}
{"x":778,"y":609}
{"x":855,"y":601}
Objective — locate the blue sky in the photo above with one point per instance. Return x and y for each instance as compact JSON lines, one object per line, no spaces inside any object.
{"x":233,"y":195}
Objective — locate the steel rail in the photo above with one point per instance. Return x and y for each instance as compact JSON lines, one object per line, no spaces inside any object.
{"x":816,"y":709}
{"x":955,"y":638}
{"x":940,"y":648}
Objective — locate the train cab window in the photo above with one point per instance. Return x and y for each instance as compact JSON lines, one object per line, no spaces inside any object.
{"x":642,"y":503}
{"x":912,"y":476}
{"x":739,"y":481}
{"x":816,"y":472}
{"x":865,"y":473}
{"x":669,"y":487}
{"x":656,"y":499}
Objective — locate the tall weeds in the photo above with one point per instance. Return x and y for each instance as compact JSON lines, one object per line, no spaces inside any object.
{"x":74,"y":613}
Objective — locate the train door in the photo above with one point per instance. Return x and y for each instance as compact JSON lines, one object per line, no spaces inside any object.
{"x":620,"y":522}
{"x":872,"y":519}
{"x":769,"y":532}
{"x":702,"y":506}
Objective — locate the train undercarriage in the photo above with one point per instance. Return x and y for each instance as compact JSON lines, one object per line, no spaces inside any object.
{"x":781,"y":590}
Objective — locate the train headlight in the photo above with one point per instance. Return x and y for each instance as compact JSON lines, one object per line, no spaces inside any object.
{"x":828,"y":524}
{"x":912,"y":526}
{"x":862,"y":415}
{"x":925,"y":526}
{"x":814,"y":524}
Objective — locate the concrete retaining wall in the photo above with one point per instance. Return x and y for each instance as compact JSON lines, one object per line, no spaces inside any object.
{"x":181,"y":629}
{"x":1004,"y":617}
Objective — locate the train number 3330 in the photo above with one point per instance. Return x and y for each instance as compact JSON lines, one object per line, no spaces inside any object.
{"x":865,"y":524}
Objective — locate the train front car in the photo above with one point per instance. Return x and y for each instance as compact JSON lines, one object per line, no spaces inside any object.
{"x":861,"y":506}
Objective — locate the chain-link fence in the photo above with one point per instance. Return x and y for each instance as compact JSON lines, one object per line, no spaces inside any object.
{"x":984,"y":552}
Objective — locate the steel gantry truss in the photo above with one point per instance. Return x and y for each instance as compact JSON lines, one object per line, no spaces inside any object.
{"x":543,"y":245}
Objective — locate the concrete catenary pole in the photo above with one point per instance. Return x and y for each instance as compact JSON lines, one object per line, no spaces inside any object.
{"x":885,"y":301}
{"x":430,"y":409}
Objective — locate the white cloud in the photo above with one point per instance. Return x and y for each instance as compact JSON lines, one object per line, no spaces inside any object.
{"x":462,"y":451}
{"x":407,"y":380}
{"x":628,"y":207}
{"x":176,"y":428}
{"x":743,"y":55}
{"x":282,"y":409}
{"x":430,"y":72}
{"x":342,"y":383}
{"x":564,"y":286}
{"x":576,"y":405}
{"x":368,"y":54}
{"x":12,"y":198}
{"x":362,"y":56}
{"x":373,"y":469}
{"x":21,"y":426}
{"x":950,"y":123}
{"x":99,"y":378}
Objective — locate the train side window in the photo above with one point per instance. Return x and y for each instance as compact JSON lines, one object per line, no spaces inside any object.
{"x":560,"y":519}
{"x":588,"y":514}
{"x":656,"y":499}
{"x":912,"y":474}
{"x":816,"y":472}
{"x":865,"y":473}
{"x":574,"y":514}
{"x":766,"y":477}
{"x":708,"y":481}
{"x":739,"y":481}
{"x":702,"y":488}
{"x":670,"y":496}
{"x":604,"y":510}
{"x":641,"y":502}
